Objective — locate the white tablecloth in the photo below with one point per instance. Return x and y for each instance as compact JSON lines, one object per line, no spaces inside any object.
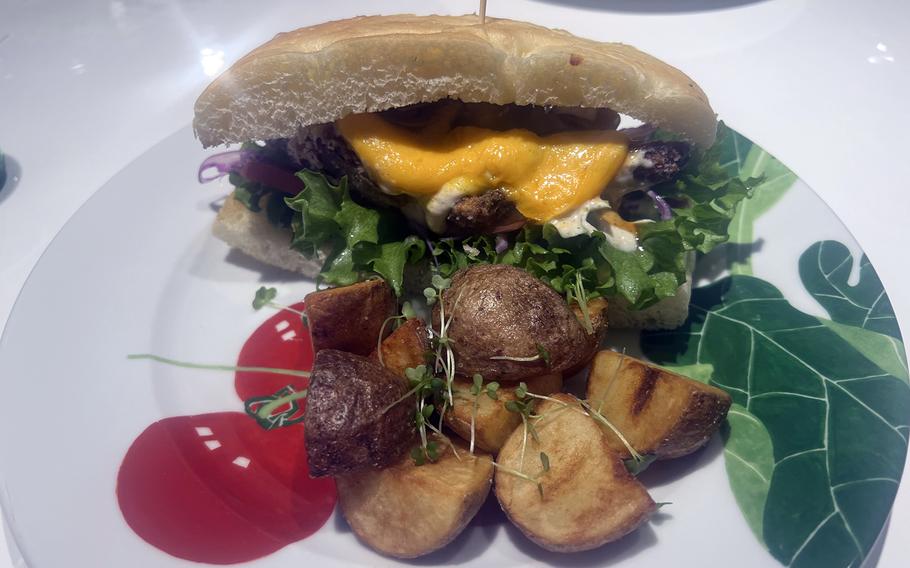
{"x":87,"y":86}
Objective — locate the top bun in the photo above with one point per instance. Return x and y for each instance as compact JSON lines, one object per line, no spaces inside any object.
{"x":322,"y":73}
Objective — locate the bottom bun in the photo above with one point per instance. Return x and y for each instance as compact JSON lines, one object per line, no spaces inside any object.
{"x":252,"y":234}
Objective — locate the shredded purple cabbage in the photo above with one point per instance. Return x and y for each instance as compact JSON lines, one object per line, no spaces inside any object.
{"x":502,"y":243}
{"x":662,"y":207}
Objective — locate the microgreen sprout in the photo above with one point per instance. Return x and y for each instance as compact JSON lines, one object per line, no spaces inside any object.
{"x":381,"y":334}
{"x":600,"y":418}
{"x":635,"y":467}
{"x":542,"y":355}
{"x":586,"y":408}
{"x":234,"y":368}
{"x":662,"y":504}
{"x":428,"y":451}
{"x":262,"y":409}
{"x":528,"y":359}
{"x":407,"y":310}
{"x":612,"y":382}
{"x":521,"y":475}
{"x":265,"y":298}
{"x":581,"y":296}
{"x":545,"y":461}
{"x":477,"y":389}
{"x":523,"y":406}
{"x":428,"y":390}
{"x":535,"y":479}
{"x":432,"y":384}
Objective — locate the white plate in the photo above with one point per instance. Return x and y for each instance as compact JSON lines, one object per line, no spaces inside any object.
{"x":136,"y":270}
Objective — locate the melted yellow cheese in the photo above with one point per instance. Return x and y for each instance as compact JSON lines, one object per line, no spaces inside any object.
{"x":545,"y":176}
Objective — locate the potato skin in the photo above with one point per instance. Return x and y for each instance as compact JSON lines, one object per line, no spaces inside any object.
{"x":498,"y":310}
{"x":407,"y":510}
{"x":404,"y":348}
{"x":659,"y":412}
{"x":493,"y":423}
{"x":589,"y":497}
{"x":349,"y":318}
{"x":345,"y":427}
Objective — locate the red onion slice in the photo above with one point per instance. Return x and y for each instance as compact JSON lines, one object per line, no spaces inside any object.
{"x":245,"y":163}
{"x":662,"y":207}
{"x":223,"y":164}
{"x":509,"y":226}
{"x":271,"y":176}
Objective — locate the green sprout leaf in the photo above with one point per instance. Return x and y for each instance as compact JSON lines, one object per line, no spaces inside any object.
{"x":521,"y":391}
{"x":433,"y":451}
{"x":478,"y":384}
{"x":264,"y":297}
{"x":545,"y":461}
{"x":635,"y":466}
{"x":407,"y":310}
{"x":543,"y":353}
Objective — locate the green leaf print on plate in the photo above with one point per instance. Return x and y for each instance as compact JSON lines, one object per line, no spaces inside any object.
{"x":825,"y":270}
{"x":836,"y":421}
{"x":749,"y":457}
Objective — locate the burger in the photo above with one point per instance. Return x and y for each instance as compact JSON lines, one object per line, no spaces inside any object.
{"x":406,"y":146}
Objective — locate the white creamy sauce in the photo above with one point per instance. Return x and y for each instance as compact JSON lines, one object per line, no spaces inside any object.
{"x":621,"y":239}
{"x":634,"y":159}
{"x":576,"y":223}
{"x":438,"y":207}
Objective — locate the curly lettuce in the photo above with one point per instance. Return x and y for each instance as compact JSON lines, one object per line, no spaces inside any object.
{"x":358,"y":241}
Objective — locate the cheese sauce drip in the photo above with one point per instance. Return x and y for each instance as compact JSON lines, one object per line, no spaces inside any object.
{"x":544,"y":176}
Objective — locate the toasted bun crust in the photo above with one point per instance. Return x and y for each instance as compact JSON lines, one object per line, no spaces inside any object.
{"x":321,"y":73}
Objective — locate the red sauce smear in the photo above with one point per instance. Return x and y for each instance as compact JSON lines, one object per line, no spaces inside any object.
{"x":282,"y":342}
{"x":218,"y":488}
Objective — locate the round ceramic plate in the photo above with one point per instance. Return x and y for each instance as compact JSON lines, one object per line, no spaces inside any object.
{"x":789,"y":318}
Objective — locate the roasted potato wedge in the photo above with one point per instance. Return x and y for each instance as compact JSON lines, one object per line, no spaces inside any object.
{"x":493,"y":423}
{"x":349,"y":318}
{"x":496,"y":311}
{"x":586,"y":498}
{"x":405,"y":348}
{"x":352,"y":421}
{"x":659,"y":412}
{"x":408,"y":510}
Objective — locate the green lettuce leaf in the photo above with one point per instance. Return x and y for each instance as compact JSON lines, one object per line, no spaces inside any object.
{"x":712,"y":192}
{"x":327,"y":220}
